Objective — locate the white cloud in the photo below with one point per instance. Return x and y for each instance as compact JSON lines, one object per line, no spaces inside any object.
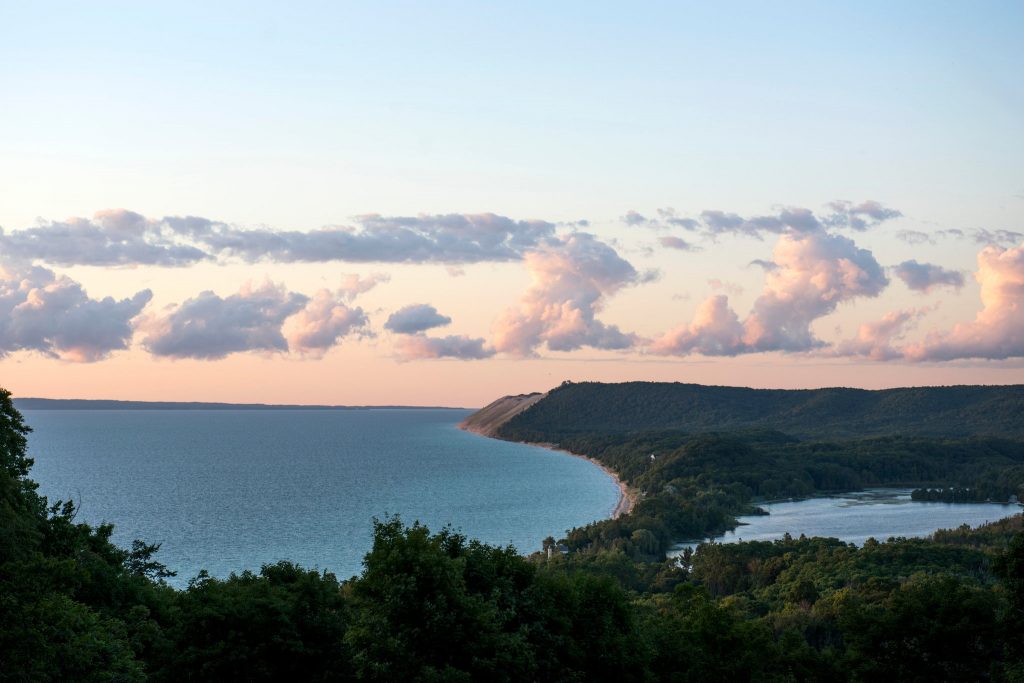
{"x":209,"y":326}
{"x":52,"y":314}
{"x":265,"y":317}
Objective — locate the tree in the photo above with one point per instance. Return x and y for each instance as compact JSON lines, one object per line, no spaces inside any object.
{"x":286,"y":623}
{"x":434,"y":607}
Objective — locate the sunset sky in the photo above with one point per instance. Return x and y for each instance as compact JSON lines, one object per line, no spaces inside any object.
{"x":442,"y":203}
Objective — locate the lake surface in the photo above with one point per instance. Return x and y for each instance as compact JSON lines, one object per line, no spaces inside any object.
{"x":856,"y":517}
{"x":228,"y":490}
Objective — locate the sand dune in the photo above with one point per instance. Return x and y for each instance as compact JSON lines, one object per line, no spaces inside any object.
{"x":487,"y":420}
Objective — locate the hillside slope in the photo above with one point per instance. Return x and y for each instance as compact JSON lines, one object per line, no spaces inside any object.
{"x":489,"y":418}
{"x":596,"y":408}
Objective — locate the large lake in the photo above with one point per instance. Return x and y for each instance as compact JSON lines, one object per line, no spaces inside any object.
{"x":856,"y":517}
{"x":228,"y":490}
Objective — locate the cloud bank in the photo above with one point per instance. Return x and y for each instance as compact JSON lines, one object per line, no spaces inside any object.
{"x":118,"y":237}
{"x":115,"y":237}
{"x":714,"y":223}
{"x":813,"y":269}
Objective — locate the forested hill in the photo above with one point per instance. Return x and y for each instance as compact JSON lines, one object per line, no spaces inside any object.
{"x":596,"y":408}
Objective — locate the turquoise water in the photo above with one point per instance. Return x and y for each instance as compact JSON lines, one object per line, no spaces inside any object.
{"x":229,"y":490}
{"x":856,"y":517}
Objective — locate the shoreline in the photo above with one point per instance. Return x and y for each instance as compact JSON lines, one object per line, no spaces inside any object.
{"x":627,"y":496}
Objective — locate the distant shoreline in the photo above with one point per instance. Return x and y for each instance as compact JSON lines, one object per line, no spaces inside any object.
{"x":627,"y":496}
{"x":103,"y":404}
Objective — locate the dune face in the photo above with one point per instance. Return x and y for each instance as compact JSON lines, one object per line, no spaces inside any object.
{"x":491,"y":417}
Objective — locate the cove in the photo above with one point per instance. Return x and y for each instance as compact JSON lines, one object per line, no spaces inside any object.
{"x":857,"y":516}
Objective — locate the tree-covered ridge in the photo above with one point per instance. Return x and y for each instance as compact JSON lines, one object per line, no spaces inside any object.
{"x":695,"y":485}
{"x":695,"y":481}
{"x":591,"y":407}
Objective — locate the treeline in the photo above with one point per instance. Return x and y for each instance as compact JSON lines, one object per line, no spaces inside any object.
{"x":836,"y":413}
{"x":992,"y":485}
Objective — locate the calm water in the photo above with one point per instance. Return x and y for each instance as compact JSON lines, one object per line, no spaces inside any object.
{"x":856,"y":517}
{"x":231,"y":490}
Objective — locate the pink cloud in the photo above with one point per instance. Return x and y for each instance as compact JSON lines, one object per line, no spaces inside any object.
{"x":322,"y":323}
{"x":572,"y":279}
{"x":814,"y":272}
{"x":874,"y":340}
{"x":997,"y":331}
{"x":714,"y":331}
{"x":421,"y":347}
{"x":353,"y":284}
{"x":811,"y":273}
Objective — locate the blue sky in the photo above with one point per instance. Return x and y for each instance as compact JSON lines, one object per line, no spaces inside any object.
{"x":574,"y":110}
{"x":294,"y":118}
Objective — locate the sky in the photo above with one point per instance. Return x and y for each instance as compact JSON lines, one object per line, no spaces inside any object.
{"x":443,"y":203}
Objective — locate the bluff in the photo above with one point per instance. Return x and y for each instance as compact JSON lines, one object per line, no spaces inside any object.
{"x":488,"y":419}
{"x":596,"y":408}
